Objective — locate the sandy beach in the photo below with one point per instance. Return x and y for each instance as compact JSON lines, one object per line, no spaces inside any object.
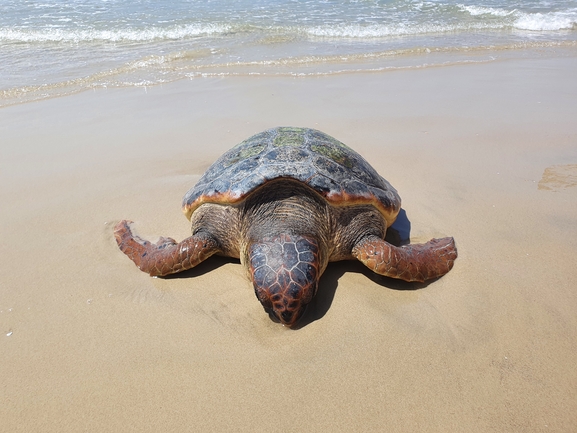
{"x":485,"y":152}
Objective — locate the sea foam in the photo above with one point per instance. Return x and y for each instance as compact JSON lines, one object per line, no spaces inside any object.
{"x":482,"y":10}
{"x":383,"y":31}
{"x":114,"y":35}
{"x":550,"y":21}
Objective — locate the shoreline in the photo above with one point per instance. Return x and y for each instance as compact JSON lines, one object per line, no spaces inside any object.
{"x":156,"y":71}
{"x":90,"y":343}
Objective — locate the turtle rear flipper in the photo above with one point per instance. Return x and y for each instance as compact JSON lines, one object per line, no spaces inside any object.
{"x":417,"y":262}
{"x":166,"y":256}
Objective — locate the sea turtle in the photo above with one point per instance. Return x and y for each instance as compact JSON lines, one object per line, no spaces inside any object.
{"x":286,"y":202}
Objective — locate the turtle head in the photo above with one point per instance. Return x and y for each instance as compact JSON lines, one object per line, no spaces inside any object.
{"x":285,"y":272}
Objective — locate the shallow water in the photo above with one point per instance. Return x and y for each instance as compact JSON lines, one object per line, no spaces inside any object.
{"x":56,"y":48}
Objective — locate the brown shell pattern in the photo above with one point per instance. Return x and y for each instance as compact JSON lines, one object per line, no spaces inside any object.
{"x":331,"y":168}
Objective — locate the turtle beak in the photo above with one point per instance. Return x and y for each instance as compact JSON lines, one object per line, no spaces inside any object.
{"x":285,"y":304}
{"x":286,"y":316}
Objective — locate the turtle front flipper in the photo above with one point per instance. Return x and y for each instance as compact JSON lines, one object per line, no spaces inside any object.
{"x":166,"y":256}
{"x":417,"y":262}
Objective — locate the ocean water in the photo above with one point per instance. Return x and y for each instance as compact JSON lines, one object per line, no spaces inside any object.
{"x":54,"y":47}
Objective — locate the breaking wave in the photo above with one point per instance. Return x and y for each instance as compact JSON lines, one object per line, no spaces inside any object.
{"x":114,"y":35}
{"x":532,"y":21}
{"x":550,"y":21}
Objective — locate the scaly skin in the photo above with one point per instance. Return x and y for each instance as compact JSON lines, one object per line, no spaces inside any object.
{"x":417,"y":262}
{"x":284,"y":270}
{"x":166,"y":256}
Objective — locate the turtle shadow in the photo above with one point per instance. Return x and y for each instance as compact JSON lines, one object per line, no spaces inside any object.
{"x":398,"y":234}
{"x":329,"y":282}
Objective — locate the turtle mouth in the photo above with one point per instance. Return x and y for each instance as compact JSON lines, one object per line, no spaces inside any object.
{"x":287,"y":317}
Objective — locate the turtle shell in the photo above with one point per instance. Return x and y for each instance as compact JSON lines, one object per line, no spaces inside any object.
{"x":332,"y":169}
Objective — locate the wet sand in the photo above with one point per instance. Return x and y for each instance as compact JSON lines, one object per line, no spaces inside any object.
{"x":485,"y":152}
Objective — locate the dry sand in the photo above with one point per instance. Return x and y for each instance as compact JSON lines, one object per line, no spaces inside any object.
{"x":486,"y":153}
